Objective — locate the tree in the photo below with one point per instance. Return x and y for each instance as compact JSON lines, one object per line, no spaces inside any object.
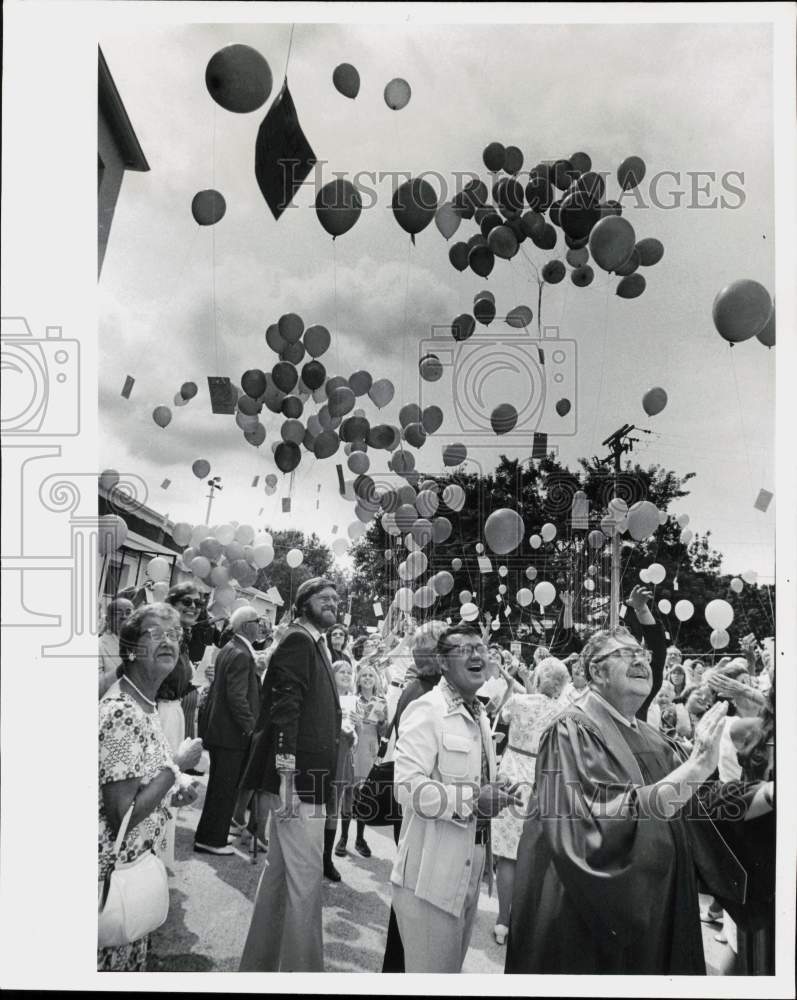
{"x":318,"y":561}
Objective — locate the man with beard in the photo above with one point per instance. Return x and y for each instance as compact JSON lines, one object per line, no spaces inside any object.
{"x":293,"y":758}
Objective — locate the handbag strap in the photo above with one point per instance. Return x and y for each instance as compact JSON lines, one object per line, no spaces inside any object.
{"x":386,"y":738}
{"x":123,"y":830}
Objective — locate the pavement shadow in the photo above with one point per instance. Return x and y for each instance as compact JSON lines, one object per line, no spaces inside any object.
{"x":170,"y":947}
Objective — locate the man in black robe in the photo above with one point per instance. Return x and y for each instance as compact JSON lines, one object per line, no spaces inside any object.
{"x":606,"y":878}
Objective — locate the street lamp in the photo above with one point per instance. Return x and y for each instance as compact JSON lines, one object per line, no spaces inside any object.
{"x":214,"y":484}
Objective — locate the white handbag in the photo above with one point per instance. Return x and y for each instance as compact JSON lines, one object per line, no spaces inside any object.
{"x":134,"y":898}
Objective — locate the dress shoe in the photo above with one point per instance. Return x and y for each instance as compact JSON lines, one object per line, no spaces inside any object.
{"x":362,"y":848}
{"x":207,"y":849}
{"x":340,"y":849}
{"x":330,"y":871}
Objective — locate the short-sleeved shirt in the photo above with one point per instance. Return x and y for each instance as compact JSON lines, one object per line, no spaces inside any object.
{"x":131,"y":745}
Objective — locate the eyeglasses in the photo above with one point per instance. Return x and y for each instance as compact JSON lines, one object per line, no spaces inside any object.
{"x":157,"y":633}
{"x":628,"y":653}
{"x":465,"y":649}
{"x":191,"y":602}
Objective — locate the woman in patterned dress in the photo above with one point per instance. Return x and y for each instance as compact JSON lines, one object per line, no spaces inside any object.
{"x":135,"y":761}
{"x":528,"y":716}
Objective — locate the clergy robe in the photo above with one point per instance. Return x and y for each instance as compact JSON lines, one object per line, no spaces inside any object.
{"x":600,"y":887}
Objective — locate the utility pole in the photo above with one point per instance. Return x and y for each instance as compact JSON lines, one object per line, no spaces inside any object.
{"x":618,"y":443}
{"x":214,"y":484}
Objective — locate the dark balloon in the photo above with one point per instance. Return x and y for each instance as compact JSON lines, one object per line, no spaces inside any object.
{"x":630,"y":172}
{"x":458,"y":255}
{"x":346,"y":80}
{"x":355,"y":429}
{"x":292,"y":407}
{"x":287,"y":456}
{"x":513,"y":160}
{"x":410,"y":413}
{"x":563,"y":407}
{"x":313,"y":375}
{"x":325,"y":444}
{"x":464,"y":325}
{"x":484,"y":311}
{"x":285,"y":376}
{"x":538,"y":192}
{"x":562,"y":174}
{"x":503,"y":418}
{"x":360,"y":382}
{"x":238,"y":78}
{"x":336,"y":382}
{"x":531,"y":223}
{"x":553,"y":272}
{"x":503,"y":242}
{"x":432,"y":419}
{"x":582,"y":276}
{"x":494,"y":156}
{"x":546,"y":239}
{"x":415,"y":435}
{"x":481,"y":260}
{"x":293,"y":353}
{"x":249,"y":406}
{"x":477,"y":240}
{"x":188,"y":390}
{"x":274,"y":339}
{"x":631,"y":287}
{"x":208,"y":208}
{"x":576,"y":219}
{"x":650,"y":251}
{"x":253,"y":382}
{"x":581,"y":162}
{"x":489,"y":222}
{"x":338,"y":206}
{"x":630,"y":265}
{"x":414,"y":205}
{"x":576,"y":244}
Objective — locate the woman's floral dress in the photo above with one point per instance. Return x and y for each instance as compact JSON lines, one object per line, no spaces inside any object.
{"x":131,"y":745}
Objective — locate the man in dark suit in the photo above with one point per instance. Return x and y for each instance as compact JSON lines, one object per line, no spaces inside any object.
{"x":234,"y":706}
{"x":293,"y":758}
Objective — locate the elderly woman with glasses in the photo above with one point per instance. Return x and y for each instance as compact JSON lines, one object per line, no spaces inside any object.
{"x":136,"y":764}
{"x":610,"y":853}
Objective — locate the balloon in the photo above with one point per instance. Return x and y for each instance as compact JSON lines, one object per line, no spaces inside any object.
{"x":454,"y":496}
{"x":211,"y":548}
{"x":292,"y":430}
{"x":410,"y":413}
{"x":469,"y":612}
{"x":238,"y":78}
{"x":650,"y":251}
{"x":581,"y":276}
{"x":548,"y":532}
{"x":719,"y":638}
{"x":112,"y":533}
{"x":355,"y":529}
{"x":287,"y":455}
{"x":294,"y":558}
{"x":631,"y":287}
{"x":285,"y":377}
{"x":683,"y":520}
{"x":545,"y":240}
{"x":274,"y":339}
{"x":341,"y":401}
{"x":424,"y":597}
{"x":188,"y":390}
{"x":766,"y":335}
{"x":346,"y":80}
{"x":417,"y":562}
{"x":432,"y":419}
{"x":741,"y":310}
{"x":381,"y":392}
{"x":358,"y":462}
{"x":262,"y":555}
{"x":494,"y":156}
{"x":656,"y":573}
{"x":162,"y":415}
{"x":535,"y":541}
{"x":503,"y":531}
{"x":513,"y":160}
{"x":292,"y":407}
{"x":563,"y":407}
{"x":643,"y":576}
{"x":630,"y":172}
{"x":458,"y":255}
{"x":544,"y":593}
{"x":245,"y":534}
{"x":577,"y":215}
{"x":654,"y":401}
{"x":443,"y":583}
{"x":291,"y":328}
{"x":426,"y":503}
{"x":503,"y":242}
{"x":208,"y":207}
{"x":234,"y":552}
{"x":685,"y":536}
{"x":404,"y":599}
{"x":256,"y":435}
{"x":402,"y":461}
{"x":595,"y":539}
{"x":611,"y":242}
{"x":200,"y":468}
{"x":503,"y":418}
{"x":447,"y":219}
{"x":481,"y":260}
{"x":589,"y":584}
{"x":200,"y":567}
{"x":737,"y":586}
{"x":326,"y":444}
{"x":643,"y":519}
{"x":316,"y":341}
{"x":519,"y":317}
{"x":454,"y":454}
{"x":665,"y":607}
{"x":684,"y":610}
{"x":750,"y":576}
{"x":719,"y":614}
{"x":397,"y":94}
{"x":484,"y":311}
{"x":553,"y":272}
{"x":414,"y":205}
{"x":338,"y":205}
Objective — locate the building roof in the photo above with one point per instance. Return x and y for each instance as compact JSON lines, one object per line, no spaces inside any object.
{"x":112,"y":108}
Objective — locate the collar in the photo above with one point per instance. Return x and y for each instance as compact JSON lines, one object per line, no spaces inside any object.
{"x":247,"y":643}
{"x":454,"y":700}
{"x":309,"y":627}
{"x":618,"y":716}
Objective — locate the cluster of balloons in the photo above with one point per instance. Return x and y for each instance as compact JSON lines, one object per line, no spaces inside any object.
{"x":742,"y":310}
{"x":223,"y":555}
{"x":162,"y":415}
{"x":564,"y":196}
{"x":346,"y":81}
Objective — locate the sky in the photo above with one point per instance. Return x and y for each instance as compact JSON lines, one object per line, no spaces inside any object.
{"x":672,"y":94}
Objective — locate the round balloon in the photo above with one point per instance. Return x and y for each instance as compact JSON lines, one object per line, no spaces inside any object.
{"x":503,"y":419}
{"x":208,"y":207}
{"x":200,"y":468}
{"x":346,"y":80}
{"x":503,"y":531}
{"x":188,"y":390}
{"x":338,"y":205}
{"x":611,"y":242}
{"x":535,"y":541}
{"x":563,"y":407}
{"x":643,"y":520}
{"x":741,"y":310}
{"x":650,"y":251}
{"x":719,"y":638}
{"x":737,"y":586}
{"x":397,"y":94}
{"x":630,"y":172}
{"x":654,"y":401}
{"x":381,"y":392}
{"x":463,"y":327}
{"x":684,"y":610}
{"x":447,"y":219}
{"x":238,"y":78}
{"x":456,"y":565}
{"x":414,"y":205}
{"x":454,"y":454}
{"x":287,"y":455}
{"x":316,"y":341}
{"x":544,"y":593}
{"x":656,"y":573}
{"x":200,"y":566}
{"x":766,"y":335}
{"x":162,"y":415}
{"x":294,"y":558}
{"x":548,"y":532}
{"x":664,"y":606}
{"x":631,"y":287}
{"x":686,"y":536}
{"x":750,"y":576}
{"x":454,"y":496}
{"x":719,"y":614}
{"x":481,"y":260}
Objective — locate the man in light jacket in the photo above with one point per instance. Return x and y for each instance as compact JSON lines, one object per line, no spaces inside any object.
{"x":445,"y":782}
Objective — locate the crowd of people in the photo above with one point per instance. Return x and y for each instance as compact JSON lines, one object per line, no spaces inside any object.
{"x":600,"y":785}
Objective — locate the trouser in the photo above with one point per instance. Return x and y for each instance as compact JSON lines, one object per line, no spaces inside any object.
{"x":286,"y":932}
{"x":436,"y":941}
{"x":225,"y":773}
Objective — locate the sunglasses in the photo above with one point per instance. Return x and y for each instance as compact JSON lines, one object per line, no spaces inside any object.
{"x":191,"y":602}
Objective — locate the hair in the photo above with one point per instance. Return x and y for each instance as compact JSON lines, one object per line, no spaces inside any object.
{"x":461,"y":629}
{"x":736,"y":669}
{"x":132,"y":630}
{"x":425,"y":646}
{"x":673,"y":649}
{"x":378,"y":686}
{"x":181,"y":590}
{"x":595,"y":646}
{"x":241,"y":616}
{"x":337,"y":666}
{"x":552,"y":675}
{"x":540,"y":653}
{"x":337,"y":627}
{"x":307,"y":590}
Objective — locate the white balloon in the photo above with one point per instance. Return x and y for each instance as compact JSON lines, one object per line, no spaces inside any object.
{"x":469,"y":612}
{"x":531,"y":572}
{"x":719,"y":614}
{"x":160,"y":590}
{"x":263,"y":538}
{"x":548,"y":532}
{"x":750,"y":576}
{"x":263,"y":554}
{"x":404,"y":599}
{"x":664,"y":606}
{"x":454,"y":496}
{"x":684,"y":610}
{"x":719,"y":638}
{"x":683,"y":520}
{"x":225,"y":533}
{"x":544,"y":593}
{"x":294,"y":558}
{"x":245,"y":534}
{"x":656,"y":573}
{"x":355,"y":529}
{"x":643,"y":575}
{"x":535,"y":541}
{"x":181,"y":533}
{"x":340,"y":546}
{"x":736,"y":585}
{"x":502,"y":571}
{"x":686,"y":536}
{"x":158,"y":570}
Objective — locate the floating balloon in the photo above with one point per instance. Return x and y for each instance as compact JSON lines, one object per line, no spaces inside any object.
{"x":211,"y":548}
{"x":200,"y":468}
{"x":200,"y":566}
{"x":494,"y":156}
{"x":503,"y":531}
{"x":630,"y":172}
{"x":481,"y":260}
{"x":112,"y":533}
{"x":410,"y":413}
{"x":447,"y":219}
{"x":664,"y":606}
{"x":458,"y":255}
{"x":424,"y":597}
{"x":544,"y":593}
{"x":208,"y":208}
{"x":503,"y":419}
{"x":737,"y":586}
{"x":531,"y":572}
{"x":346,"y":80}
{"x":563,"y":407}
{"x":611,"y":242}
{"x":381,"y":392}
{"x":263,"y":555}
{"x":432,"y":419}
{"x":548,"y":532}
{"x":503,"y":242}
{"x":287,"y":456}
{"x":454,"y":495}
{"x":650,"y":251}
{"x":469,"y":612}
{"x":359,"y":462}
{"x":535,"y":541}
{"x":589,"y":584}
{"x":443,"y":583}
{"x":341,"y":401}
{"x":238,"y":78}
{"x":426,"y":503}
{"x":629,"y":266}
{"x":654,"y":401}
{"x":581,"y":276}
{"x":719,"y":614}
{"x":553,"y":272}
{"x":519,"y":317}
{"x":643,"y":576}
{"x":686,"y":536}
{"x":338,"y":205}
{"x":631,"y":287}
{"x":397,"y":94}
{"x":643,"y":519}
{"x":454,"y":454}
{"x":326,"y":444}
{"x":414,"y":205}
{"x":162,"y":416}
{"x":442,"y":529}
{"x":456,"y":565}
{"x":750,"y":576}
{"x":188,"y":390}
{"x":656,"y":573}
{"x":684,"y":610}
{"x":683,"y":520}
{"x":766,"y":335}
{"x":355,"y":530}
{"x":294,"y":558}
{"x":741,"y":310}
{"x":595,"y":539}
{"x":316,"y":341}
{"x":719,"y":638}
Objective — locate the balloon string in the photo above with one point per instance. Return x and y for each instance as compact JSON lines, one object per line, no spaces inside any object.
{"x":335,"y":299}
{"x":213,"y":248}
{"x":288,"y":57}
{"x":741,"y":421}
{"x":406,"y":307}
{"x":603,"y":362}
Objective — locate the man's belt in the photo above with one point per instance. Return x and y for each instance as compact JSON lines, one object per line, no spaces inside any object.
{"x":525,"y":753}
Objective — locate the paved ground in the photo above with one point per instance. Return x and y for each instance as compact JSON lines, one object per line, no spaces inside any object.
{"x":211,"y":902}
